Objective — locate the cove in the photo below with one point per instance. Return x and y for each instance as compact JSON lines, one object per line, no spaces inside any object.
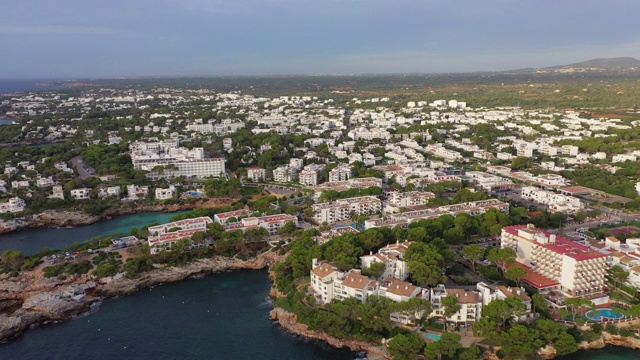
{"x":220,"y":316}
{"x":30,"y":241}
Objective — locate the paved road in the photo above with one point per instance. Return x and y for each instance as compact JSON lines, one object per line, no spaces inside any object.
{"x":82,"y":169}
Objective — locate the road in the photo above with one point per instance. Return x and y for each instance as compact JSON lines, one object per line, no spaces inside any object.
{"x":82,"y":169}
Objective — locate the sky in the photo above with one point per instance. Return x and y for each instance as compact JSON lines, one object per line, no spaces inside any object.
{"x":100,"y":38}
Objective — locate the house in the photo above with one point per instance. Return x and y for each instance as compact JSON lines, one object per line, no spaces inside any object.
{"x":398,"y":290}
{"x":13,"y":205}
{"x":80,"y":194}
{"x":109,"y":191}
{"x":57,"y":192}
{"x":165,"y":194}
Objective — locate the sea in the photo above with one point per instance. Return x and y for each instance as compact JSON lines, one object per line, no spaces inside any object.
{"x":220,"y":316}
{"x":29,"y":241}
{"x":9,"y":86}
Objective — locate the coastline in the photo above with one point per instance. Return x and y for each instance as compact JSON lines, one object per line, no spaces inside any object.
{"x":70,"y":218}
{"x":289,"y":322}
{"x":29,"y":300}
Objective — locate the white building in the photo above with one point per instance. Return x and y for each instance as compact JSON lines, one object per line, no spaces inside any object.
{"x":161,"y":237}
{"x":80,"y":194}
{"x":271,"y":223}
{"x":44,"y":182}
{"x":556,"y":263}
{"x":165,"y":194}
{"x":341,"y":172}
{"x":256,"y":174}
{"x":109,"y":191}
{"x":340,"y":210}
{"x":392,"y":256}
{"x":470,"y":304}
{"x":13,"y":205}
{"x":556,"y":202}
{"x":164,"y":159}
{"x":57,"y":192}
{"x":410,"y":198}
{"x":136,"y":192}
{"x":283,"y":174}
{"x":310,"y":174}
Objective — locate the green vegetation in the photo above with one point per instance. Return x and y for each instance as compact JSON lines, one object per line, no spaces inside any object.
{"x":70,"y":268}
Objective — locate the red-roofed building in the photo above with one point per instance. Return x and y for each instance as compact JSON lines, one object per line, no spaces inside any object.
{"x":161,"y":237}
{"x":577,"y":269}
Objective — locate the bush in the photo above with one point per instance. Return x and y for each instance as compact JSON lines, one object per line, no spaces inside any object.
{"x":589,"y":336}
{"x":611,"y":329}
{"x":627,"y":333}
{"x":597,"y":328}
{"x":490,"y":273}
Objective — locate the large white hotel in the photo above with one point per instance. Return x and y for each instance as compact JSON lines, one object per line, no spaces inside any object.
{"x":176,"y":161}
{"x":556,"y":263}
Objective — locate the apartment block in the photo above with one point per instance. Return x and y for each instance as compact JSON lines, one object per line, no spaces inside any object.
{"x":410,"y":198}
{"x":342,"y":209}
{"x":392,"y":256}
{"x":272,"y":223}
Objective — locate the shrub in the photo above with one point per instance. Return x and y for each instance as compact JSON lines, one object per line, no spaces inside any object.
{"x":611,"y":329}
{"x":627,"y":333}
{"x":597,"y":328}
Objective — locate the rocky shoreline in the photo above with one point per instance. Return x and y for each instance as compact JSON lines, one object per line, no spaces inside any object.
{"x":289,"y":321}
{"x":29,"y":299}
{"x":68,"y":218}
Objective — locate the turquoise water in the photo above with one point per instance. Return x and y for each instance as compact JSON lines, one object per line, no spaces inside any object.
{"x":608,"y":353}
{"x":221,"y":316}
{"x":599,"y":314}
{"x":5,"y":121}
{"x":31,"y":240}
{"x":435,"y":337}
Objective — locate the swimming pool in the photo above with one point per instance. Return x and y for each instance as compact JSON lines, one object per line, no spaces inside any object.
{"x":435,"y":337}
{"x":604,"y":314}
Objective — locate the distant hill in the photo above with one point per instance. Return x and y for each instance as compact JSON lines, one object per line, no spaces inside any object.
{"x":602,"y":65}
{"x":607,"y":63}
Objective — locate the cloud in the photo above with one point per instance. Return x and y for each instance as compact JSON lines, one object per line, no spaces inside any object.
{"x":56,"y":29}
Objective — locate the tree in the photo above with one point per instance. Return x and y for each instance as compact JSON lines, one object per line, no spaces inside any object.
{"x":521,"y":163}
{"x":501,"y":256}
{"x":540,"y":303}
{"x":472,"y":353}
{"x":577,"y":305}
{"x":500,"y":311}
{"x":405,"y":346}
{"x":566,"y":344}
{"x":516,"y":274}
{"x":520,"y":342}
{"x":13,"y":258}
{"x":618,"y":274}
{"x":486,"y":327}
{"x":376,"y":269}
{"x":451,"y":306}
{"x":288,"y":228}
{"x":473,"y":253}
{"x":450,"y":344}
{"x":425,"y":262}
{"x":550,"y":330}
